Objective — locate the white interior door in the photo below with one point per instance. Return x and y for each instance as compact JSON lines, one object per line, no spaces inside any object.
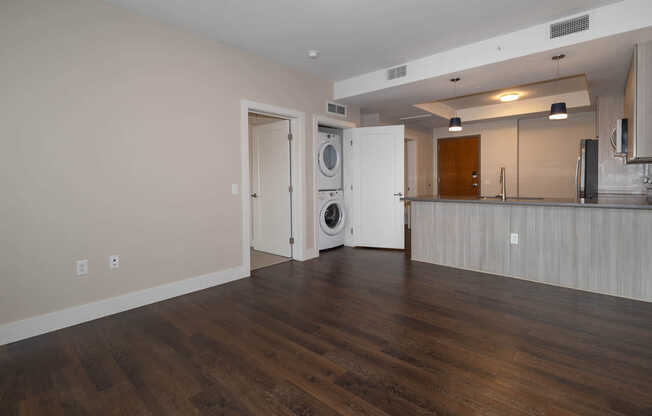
{"x":270,"y":188}
{"x":378,"y":184}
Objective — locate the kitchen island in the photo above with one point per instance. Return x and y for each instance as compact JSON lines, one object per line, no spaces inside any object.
{"x":603,"y":246}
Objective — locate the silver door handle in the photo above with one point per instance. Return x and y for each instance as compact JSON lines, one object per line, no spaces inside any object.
{"x":475,"y":185}
{"x":254,"y":195}
{"x":398,"y":194}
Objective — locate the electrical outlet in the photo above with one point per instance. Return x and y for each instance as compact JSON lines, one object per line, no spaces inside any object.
{"x":114,"y":262}
{"x":82,"y":267}
{"x":513,"y":238}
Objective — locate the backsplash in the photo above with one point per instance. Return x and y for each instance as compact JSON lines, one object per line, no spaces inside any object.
{"x":614,"y":175}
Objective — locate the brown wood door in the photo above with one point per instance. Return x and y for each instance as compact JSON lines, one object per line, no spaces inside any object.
{"x":459,"y":166}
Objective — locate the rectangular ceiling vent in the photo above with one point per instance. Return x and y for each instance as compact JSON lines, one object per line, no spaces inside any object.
{"x":574,"y":25}
{"x":336,"y":109}
{"x":397,"y":72}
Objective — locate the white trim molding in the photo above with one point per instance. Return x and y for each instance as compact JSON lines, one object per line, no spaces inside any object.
{"x":41,"y":324}
{"x":297,"y":125}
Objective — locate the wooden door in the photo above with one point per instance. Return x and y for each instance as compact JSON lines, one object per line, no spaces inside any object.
{"x":458,"y":164}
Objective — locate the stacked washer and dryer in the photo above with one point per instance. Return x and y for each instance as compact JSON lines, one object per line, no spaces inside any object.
{"x":330,"y":196}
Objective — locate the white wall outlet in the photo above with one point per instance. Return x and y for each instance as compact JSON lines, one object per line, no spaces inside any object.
{"x":114,"y":262}
{"x":513,"y":239}
{"x":235,"y":189}
{"x":82,"y":267}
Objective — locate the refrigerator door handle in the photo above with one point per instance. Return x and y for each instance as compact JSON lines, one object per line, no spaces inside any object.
{"x":578,"y":190}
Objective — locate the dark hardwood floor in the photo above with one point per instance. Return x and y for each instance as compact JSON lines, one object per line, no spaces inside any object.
{"x":355,"y":332}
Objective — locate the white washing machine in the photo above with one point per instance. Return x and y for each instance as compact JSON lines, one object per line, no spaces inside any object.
{"x":332,"y":219}
{"x":329,"y":161}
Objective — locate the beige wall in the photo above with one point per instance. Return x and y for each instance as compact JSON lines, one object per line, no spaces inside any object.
{"x":424,"y":160}
{"x":548,"y":152}
{"x":498,"y":148}
{"x":500,"y":143}
{"x":121,"y":135}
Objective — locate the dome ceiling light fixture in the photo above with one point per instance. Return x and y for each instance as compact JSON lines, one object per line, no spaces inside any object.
{"x":455,"y":123}
{"x":558,"y":111}
{"x":509,"y":96}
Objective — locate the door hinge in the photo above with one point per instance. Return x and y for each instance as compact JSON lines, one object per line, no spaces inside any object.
{"x":290,"y":136}
{"x":290,"y":189}
{"x":291,"y":240}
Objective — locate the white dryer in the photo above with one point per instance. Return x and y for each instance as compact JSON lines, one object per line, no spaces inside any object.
{"x":332,"y":219}
{"x":329,"y":161}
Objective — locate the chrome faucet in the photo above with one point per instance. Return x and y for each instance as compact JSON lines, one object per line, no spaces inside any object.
{"x":503,"y":185}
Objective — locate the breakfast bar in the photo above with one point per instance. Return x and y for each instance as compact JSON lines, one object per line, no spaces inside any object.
{"x":602,"y":246}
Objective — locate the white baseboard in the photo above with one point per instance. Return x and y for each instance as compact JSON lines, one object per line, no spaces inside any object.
{"x":37,"y":325}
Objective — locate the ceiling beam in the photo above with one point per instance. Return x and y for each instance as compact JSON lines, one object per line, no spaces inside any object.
{"x":613,"y":19}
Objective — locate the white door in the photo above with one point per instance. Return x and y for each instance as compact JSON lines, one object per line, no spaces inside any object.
{"x":411,"y":168}
{"x":378,"y":180}
{"x":270,"y":188}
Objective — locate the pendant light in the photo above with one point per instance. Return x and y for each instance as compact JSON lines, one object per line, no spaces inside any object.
{"x":558,"y":110}
{"x":455,"y":123}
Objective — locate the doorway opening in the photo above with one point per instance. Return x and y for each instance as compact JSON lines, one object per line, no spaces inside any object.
{"x":270,"y":206}
{"x":458,"y":166}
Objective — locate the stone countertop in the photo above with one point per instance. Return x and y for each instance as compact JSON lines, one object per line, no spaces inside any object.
{"x":604,"y":201}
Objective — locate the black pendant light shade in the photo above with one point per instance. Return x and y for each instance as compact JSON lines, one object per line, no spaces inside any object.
{"x":558,"y":111}
{"x":455,"y":124}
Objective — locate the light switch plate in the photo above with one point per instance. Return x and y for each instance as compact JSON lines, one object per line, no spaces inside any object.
{"x":513,"y":239}
{"x":82,"y":267}
{"x":235,"y":189}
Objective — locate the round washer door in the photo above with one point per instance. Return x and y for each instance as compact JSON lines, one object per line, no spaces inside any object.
{"x":331,"y":218}
{"x":328,"y":158}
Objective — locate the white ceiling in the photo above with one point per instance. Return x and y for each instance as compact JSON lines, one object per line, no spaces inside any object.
{"x":354,"y":37}
{"x":605,"y":62}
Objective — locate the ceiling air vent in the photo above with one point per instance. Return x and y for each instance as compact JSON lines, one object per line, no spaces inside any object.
{"x":574,"y":25}
{"x":397,"y":72}
{"x":335,"y":108}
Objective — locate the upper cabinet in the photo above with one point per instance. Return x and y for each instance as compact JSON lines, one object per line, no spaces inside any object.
{"x":638,"y":105}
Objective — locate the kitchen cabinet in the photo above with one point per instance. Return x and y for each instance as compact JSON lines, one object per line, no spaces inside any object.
{"x":638,"y":105}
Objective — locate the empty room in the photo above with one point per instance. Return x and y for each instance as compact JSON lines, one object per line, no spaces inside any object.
{"x":419,"y":207}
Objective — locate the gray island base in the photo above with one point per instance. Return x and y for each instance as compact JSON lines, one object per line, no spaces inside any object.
{"x":603,"y":250}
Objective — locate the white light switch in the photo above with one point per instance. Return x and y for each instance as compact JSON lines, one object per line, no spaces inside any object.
{"x":235,"y":189}
{"x":82,"y":267}
{"x":514,"y":239}
{"x":114,"y":262}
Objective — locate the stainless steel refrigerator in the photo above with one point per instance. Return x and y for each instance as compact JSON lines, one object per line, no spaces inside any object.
{"x":586,"y":176}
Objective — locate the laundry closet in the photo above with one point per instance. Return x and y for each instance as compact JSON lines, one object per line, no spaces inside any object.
{"x":360,"y":184}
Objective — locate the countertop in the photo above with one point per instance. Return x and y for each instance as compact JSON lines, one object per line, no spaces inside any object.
{"x":604,"y":201}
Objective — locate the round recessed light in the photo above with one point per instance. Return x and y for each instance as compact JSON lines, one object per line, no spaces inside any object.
{"x":313,"y":54}
{"x":510,"y":96}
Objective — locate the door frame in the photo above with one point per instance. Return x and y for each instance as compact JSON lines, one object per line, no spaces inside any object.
{"x":470,"y":136}
{"x":328,"y":122}
{"x":297,"y":126}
